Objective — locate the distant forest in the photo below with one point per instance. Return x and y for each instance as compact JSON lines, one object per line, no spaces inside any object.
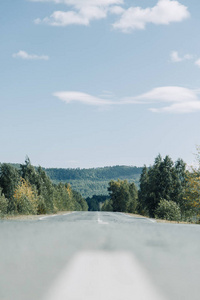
{"x":94,"y":181}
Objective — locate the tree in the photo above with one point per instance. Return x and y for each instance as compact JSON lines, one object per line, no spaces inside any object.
{"x":28,"y":172}
{"x":93,"y":204}
{"x":45,"y":189}
{"x":163,"y":180}
{"x":3,"y":204}
{"x":80,"y":203}
{"x":107,"y":206}
{"x":26,"y":200}
{"x":192,"y":193}
{"x":9,"y":179}
{"x":192,"y":188}
{"x":133,"y":202}
{"x":180,"y":175}
{"x":123,"y":196}
{"x":143,"y":191}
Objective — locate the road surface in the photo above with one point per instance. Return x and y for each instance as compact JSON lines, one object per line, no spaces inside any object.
{"x":98,"y":256}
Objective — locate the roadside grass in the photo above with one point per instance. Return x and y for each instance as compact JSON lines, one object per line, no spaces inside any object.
{"x":160,"y":220}
{"x":31,"y":217}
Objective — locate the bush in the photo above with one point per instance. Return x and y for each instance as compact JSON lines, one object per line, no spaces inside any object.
{"x":3,"y":204}
{"x":168,"y":210}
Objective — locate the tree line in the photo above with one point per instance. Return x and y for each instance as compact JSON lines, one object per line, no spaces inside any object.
{"x":105,"y":173}
{"x":167,"y":190}
{"x":28,"y":190}
{"x":94,"y":181}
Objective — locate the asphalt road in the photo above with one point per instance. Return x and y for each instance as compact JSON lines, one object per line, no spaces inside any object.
{"x":99,"y":256}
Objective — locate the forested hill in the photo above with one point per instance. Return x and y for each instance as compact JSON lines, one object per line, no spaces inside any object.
{"x":105,"y":173}
{"x":94,"y":181}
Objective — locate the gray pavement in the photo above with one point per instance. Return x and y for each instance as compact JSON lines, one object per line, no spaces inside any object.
{"x":33,"y":254}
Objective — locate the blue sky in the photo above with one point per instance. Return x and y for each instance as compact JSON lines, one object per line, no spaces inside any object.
{"x":90,"y":83}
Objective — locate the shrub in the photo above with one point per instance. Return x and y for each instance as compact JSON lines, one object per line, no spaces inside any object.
{"x":168,"y":210}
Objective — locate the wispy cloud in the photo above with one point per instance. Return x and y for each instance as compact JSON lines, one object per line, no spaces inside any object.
{"x":24,"y":55}
{"x":175,"y":99}
{"x":82,"y":12}
{"x":171,"y":99}
{"x":71,"y":96}
{"x":163,"y":13}
{"x":175,"y":57}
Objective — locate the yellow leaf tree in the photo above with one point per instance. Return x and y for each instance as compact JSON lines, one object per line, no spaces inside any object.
{"x":192,"y":193}
{"x":26,"y":199}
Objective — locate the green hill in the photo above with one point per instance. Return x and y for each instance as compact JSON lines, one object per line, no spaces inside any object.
{"x":94,"y":181}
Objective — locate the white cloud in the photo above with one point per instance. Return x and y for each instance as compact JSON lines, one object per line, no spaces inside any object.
{"x":82,"y":98}
{"x":188,"y":56}
{"x":163,"y":13}
{"x":174,"y":99}
{"x":82,"y":3}
{"x":83,"y":17}
{"x":170,"y":94}
{"x":116,"y":10}
{"x":25,"y":55}
{"x":83,"y":12}
{"x":175,"y":57}
{"x":197,"y":62}
{"x":179,"y":108}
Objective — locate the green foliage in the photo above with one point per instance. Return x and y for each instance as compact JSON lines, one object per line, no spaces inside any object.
{"x":26,"y":198}
{"x":94,"y":181}
{"x":80,"y":203}
{"x":95,"y":201}
{"x":192,"y":190}
{"x":30,"y":191}
{"x":96,"y":174}
{"x":107,"y":206}
{"x":164,"y":180}
{"x":88,"y":182}
{"x":45,"y":189}
{"x":41,"y":208}
{"x":3,"y":204}
{"x":168,"y":210}
{"x":123,"y":196}
{"x":9,"y":180}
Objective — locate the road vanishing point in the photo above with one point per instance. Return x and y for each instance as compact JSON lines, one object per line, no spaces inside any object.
{"x":98,"y":256}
